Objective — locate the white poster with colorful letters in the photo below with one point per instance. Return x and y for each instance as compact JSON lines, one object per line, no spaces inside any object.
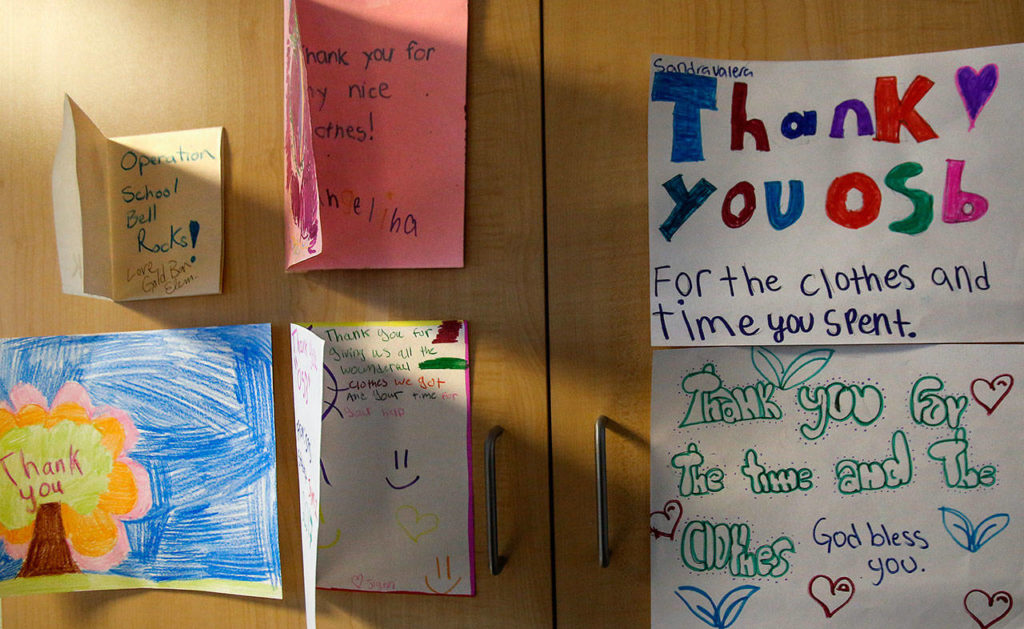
{"x":837,"y":202}
{"x":844,"y":486}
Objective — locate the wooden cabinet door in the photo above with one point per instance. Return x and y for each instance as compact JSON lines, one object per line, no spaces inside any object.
{"x":596,"y":56}
{"x":152,"y":66}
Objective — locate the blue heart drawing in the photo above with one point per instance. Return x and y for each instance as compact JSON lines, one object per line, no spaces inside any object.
{"x":968,"y":536}
{"x":976,"y":88}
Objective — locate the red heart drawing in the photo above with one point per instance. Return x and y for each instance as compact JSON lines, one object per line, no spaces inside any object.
{"x":831,"y":595}
{"x":991,"y":394}
{"x":981,"y":603}
{"x":660,"y":529}
{"x":357,"y":581}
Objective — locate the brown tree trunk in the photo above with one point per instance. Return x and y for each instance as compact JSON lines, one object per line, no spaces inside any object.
{"x":48,"y":552}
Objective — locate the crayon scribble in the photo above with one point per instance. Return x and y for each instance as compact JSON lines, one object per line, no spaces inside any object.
{"x":448,"y":332}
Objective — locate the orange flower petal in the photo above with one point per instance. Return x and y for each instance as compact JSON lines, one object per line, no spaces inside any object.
{"x":31,"y":414}
{"x":92,"y":535}
{"x":18,"y":536}
{"x":68,"y":411}
{"x":113,"y":434}
{"x":121,"y":494}
{"x":7,"y":421}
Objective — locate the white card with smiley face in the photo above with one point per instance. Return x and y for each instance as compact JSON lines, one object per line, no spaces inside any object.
{"x":396,"y":510}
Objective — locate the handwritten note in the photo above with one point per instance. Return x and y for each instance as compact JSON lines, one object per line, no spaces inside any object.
{"x":139,"y":460}
{"x":396,"y":490}
{"x":137,"y":217}
{"x":867,"y":201}
{"x":809,"y":486}
{"x":384,"y":97}
{"x":307,"y":384}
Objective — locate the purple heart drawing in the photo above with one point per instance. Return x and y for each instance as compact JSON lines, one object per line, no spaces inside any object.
{"x":976,"y":88}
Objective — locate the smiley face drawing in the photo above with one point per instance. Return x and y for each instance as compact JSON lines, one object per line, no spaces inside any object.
{"x":405,"y":465}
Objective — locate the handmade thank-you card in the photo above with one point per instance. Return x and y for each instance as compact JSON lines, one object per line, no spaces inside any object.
{"x":843,"y":486}
{"x":375,"y":133}
{"x":137,"y":217}
{"x":140,"y":459}
{"x":385,"y":456}
{"x":839,"y":202}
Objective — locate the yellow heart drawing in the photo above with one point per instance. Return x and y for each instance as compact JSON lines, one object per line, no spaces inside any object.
{"x":414,"y":523}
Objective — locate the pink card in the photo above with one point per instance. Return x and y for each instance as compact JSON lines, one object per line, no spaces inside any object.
{"x":376,"y":123}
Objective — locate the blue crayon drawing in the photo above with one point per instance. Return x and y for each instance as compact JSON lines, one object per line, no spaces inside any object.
{"x":968,"y":536}
{"x":185,"y":419}
{"x":720,"y":615}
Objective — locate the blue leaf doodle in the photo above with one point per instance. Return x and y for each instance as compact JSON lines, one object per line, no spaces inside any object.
{"x":968,"y":536}
{"x":720,"y":615}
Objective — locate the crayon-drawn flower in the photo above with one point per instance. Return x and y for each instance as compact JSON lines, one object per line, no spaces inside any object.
{"x":66,"y":483}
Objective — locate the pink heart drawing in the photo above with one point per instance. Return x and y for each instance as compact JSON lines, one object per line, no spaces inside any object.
{"x":831,"y":595}
{"x":976,"y":88}
{"x":665,"y":522}
{"x":357,"y":581}
{"x":987,"y":609}
{"x":991,"y":393}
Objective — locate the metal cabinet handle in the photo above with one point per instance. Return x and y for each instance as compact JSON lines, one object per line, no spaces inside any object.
{"x":603,"y":553}
{"x":495,"y":561}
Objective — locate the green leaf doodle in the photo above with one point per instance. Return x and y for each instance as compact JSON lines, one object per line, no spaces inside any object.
{"x":803,"y":368}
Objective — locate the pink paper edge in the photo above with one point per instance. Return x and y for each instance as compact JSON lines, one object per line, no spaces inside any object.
{"x":292,"y":9}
